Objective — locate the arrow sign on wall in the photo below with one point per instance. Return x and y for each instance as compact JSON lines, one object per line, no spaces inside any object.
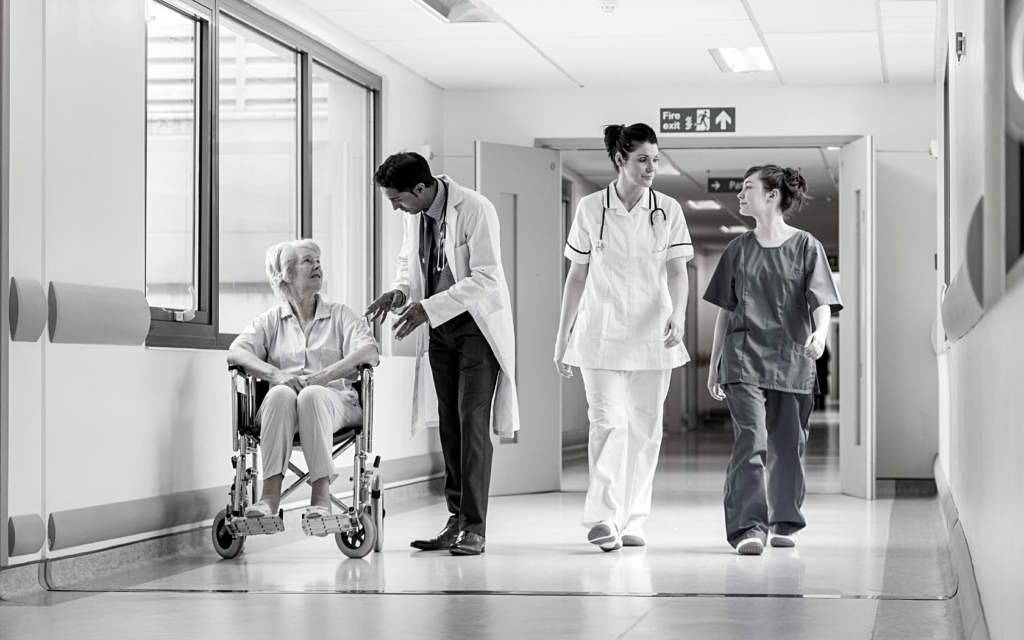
{"x":723,"y":120}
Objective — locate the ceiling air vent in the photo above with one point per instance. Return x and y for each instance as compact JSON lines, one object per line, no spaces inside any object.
{"x":454,"y":11}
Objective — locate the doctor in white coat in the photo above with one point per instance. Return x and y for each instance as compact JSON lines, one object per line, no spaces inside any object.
{"x":450,"y":291}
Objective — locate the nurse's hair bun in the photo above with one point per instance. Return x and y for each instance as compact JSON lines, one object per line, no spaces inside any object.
{"x":791,"y":185}
{"x":623,"y":140}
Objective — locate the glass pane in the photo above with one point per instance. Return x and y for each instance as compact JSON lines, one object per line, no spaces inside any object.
{"x":170,"y":156}
{"x":341,"y":186}
{"x":258,"y":167}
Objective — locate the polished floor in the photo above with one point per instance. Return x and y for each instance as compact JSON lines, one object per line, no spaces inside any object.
{"x":862,"y":570}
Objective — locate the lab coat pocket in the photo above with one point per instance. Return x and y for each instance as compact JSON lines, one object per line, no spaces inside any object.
{"x":462,"y":261}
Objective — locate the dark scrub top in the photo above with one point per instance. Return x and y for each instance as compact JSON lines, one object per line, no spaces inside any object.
{"x":771,"y":293}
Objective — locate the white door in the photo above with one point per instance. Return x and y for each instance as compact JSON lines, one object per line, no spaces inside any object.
{"x":525,"y":185}
{"x":857,"y":343}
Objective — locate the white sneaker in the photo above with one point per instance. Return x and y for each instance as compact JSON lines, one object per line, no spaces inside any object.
{"x":606,"y":535}
{"x":750,"y":547}
{"x":779,"y":540}
{"x":633,"y":536}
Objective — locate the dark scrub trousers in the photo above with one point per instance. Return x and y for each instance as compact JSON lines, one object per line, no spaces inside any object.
{"x":465,"y":375}
{"x":768,"y":381}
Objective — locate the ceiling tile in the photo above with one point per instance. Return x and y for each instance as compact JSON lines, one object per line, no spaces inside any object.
{"x":910,"y":65}
{"x":908,"y":39}
{"x":814,"y":16}
{"x":611,"y":31}
{"x":908,"y":8}
{"x":352,"y":20}
{"x":572,"y":12}
{"x":827,"y":58}
{"x":913,"y":25}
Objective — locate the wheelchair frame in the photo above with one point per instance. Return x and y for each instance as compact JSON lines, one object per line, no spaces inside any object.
{"x":363,"y":531}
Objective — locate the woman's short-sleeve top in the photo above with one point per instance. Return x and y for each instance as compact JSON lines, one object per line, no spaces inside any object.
{"x":771,"y":292}
{"x":621,"y":320}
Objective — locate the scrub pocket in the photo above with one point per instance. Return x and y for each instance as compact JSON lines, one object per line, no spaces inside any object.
{"x":800,"y":372}
{"x":731,"y":365}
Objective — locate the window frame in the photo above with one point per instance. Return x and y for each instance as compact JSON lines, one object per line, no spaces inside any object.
{"x":203,"y":331}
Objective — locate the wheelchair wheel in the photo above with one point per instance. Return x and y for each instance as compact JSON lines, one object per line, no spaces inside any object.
{"x":358,"y":543}
{"x":377,"y":511}
{"x":226,"y":545}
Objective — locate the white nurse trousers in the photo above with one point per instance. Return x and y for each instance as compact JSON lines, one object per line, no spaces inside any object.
{"x":626,"y":409}
{"x":316,"y":412}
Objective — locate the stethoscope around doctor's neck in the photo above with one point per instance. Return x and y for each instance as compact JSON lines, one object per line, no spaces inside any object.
{"x":441,"y":225}
{"x":652,"y":204}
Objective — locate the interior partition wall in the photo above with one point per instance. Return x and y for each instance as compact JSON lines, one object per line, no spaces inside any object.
{"x":4,"y":268}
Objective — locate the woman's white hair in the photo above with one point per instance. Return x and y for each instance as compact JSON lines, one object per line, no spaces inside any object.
{"x":280,"y":263}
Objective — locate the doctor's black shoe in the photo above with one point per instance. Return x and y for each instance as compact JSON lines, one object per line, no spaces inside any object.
{"x":440,"y":542}
{"x":468,"y":544}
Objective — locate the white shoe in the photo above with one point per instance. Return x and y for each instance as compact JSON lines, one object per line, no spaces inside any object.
{"x":750,"y":547}
{"x":633,"y":536}
{"x":606,"y":535}
{"x":779,"y":540}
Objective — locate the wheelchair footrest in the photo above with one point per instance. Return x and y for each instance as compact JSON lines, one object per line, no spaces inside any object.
{"x":255,"y":526}
{"x":328,"y":525}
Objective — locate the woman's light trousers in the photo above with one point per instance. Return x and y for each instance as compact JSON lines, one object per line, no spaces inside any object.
{"x":316,"y":413}
{"x":626,"y":409}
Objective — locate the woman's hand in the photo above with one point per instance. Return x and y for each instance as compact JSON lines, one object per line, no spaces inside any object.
{"x":716,"y":389}
{"x":295,"y":383}
{"x":815,"y":346}
{"x":674,"y":331}
{"x":563,"y":369}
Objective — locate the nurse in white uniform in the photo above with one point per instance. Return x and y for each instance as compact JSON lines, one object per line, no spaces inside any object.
{"x":622,"y":319}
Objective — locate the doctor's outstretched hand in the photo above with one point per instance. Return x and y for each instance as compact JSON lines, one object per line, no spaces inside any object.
{"x":563,"y":369}
{"x":673,"y":331}
{"x":378,"y":309}
{"x":409,"y":318}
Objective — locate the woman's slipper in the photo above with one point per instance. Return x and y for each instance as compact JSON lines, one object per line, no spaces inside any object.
{"x":259,"y":510}
{"x":317,"y":514}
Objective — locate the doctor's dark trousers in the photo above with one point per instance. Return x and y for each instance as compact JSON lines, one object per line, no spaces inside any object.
{"x":465,"y":374}
{"x":764,"y":484}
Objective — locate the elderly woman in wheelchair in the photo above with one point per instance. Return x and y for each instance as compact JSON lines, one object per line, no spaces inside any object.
{"x":310,"y":351}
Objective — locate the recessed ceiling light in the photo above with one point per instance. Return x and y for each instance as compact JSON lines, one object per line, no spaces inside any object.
{"x":739,"y":228}
{"x":703,"y":205}
{"x":609,"y":5}
{"x":832,"y":148}
{"x":446,"y":11}
{"x":743,"y":60}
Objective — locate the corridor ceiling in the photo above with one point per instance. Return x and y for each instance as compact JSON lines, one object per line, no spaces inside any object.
{"x":549,"y":44}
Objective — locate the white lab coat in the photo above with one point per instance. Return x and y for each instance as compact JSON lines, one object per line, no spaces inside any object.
{"x":472,"y":246}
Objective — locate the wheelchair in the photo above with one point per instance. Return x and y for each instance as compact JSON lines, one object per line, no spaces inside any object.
{"x":360,"y":527}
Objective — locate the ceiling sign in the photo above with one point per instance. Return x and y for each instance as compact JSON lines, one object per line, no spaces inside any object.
{"x":725,"y":185}
{"x":699,"y":120}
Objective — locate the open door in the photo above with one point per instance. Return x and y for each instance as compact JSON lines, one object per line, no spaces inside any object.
{"x":525,"y":185}
{"x":857,"y":342}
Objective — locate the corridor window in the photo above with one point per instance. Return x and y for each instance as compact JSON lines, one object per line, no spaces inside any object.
{"x":172,"y":214}
{"x":259,"y":171}
{"x":342,"y":198}
{"x":256,"y":134}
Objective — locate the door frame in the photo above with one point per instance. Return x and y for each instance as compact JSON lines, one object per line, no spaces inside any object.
{"x":776,"y":142}
{"x":5,"y":333}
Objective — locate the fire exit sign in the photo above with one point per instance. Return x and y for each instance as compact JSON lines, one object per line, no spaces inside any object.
{"x":698,"y":120}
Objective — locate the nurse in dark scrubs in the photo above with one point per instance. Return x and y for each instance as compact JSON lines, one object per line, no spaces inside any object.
{"x":775,"y":292}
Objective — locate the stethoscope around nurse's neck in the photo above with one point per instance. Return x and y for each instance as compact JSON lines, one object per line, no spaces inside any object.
{"x":652,"y":204}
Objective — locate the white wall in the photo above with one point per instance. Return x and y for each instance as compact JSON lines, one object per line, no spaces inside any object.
{"x":93,"y":424}
{"x":902,"y":120}
{"x":985,"y":403}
